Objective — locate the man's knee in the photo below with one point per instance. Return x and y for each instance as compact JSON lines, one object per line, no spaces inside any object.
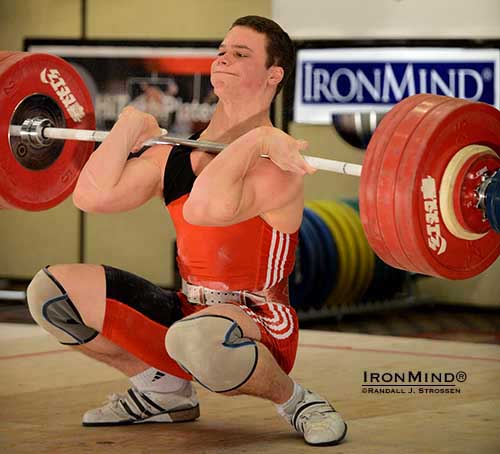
{"x":51,"y":307}
{"x":212,"y":349}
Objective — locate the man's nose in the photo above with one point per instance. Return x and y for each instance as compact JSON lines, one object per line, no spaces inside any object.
{"x":223,"y":59}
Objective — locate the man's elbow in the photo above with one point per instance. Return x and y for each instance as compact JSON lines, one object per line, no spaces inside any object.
{"x":195,"y":213}
{"x":207,"y":214}
{"x":85,"y":201}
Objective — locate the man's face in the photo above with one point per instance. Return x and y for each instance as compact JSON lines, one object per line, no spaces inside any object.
{"x":240,"y":68}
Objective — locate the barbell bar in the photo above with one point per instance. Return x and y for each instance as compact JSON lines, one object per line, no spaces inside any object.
{"x":32,"y":131}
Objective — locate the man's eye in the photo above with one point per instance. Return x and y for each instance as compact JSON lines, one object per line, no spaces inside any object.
{"x":238,"y":54}
{"x":220,"y":54}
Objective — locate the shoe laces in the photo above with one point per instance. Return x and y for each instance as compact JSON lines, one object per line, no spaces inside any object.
{"x":316,"y":415}
{"x":114,"y":398}
{"x":114,"y":402}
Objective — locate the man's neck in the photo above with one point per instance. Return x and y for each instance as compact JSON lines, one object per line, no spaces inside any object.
{"x":230,"y":122}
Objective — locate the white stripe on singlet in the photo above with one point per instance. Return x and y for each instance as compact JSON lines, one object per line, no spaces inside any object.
{"x":277,"y":261}
{"x":285,"y":256}
{"x":270,"y":259}
{"x":278,"y":254}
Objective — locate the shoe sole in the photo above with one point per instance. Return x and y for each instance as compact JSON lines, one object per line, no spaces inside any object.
{"x":186,"y":415}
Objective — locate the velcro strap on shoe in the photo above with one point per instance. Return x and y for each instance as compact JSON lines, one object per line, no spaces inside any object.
{"x":138,"y":403}
{"x":152,"y":403}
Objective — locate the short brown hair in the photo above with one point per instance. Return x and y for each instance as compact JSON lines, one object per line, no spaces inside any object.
{"x":280,"y":49}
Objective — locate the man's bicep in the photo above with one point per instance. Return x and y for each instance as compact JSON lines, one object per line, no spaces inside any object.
{"x":266,"y":192}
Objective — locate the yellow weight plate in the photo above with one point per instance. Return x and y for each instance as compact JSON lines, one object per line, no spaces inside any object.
{"x":349,"y":275}
{"x":359,"y":262}
{"x":352,"y":284}
{"x":367,"y":256}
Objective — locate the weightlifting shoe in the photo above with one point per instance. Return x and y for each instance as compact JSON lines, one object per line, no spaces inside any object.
{"x":135,"y":407}
{"x":318,"y":421}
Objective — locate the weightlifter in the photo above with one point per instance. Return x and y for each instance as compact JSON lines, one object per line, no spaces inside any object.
{"x":236,"y":216}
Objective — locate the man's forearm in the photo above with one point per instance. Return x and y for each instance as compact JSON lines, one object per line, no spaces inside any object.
{"x":105,"y":166}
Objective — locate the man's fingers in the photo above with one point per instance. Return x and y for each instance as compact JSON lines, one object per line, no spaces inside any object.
{"x":303,"y":144}
{"x":309,"y":168}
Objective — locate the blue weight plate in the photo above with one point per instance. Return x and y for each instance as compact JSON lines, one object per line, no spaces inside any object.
{"x":315,"y":263}
{"x":317,"y":280}
{"x":330,"y":258}
{"x":300,"y":281}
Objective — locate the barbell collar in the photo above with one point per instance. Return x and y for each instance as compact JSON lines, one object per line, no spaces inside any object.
{"x":32,"y":131}
{"x":483,"y":189}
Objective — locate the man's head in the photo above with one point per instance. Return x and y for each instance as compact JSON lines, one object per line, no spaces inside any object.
{"x":279,"y":46}
{"x":256,"y":57}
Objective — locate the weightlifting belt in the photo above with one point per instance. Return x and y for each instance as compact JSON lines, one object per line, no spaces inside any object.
{"x":197,"y":294}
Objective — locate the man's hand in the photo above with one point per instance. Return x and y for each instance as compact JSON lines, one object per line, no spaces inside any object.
{"x":285,"y":151}
{"x":141,"y":126}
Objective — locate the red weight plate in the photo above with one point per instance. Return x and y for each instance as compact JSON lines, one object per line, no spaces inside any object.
{"x":442,"y":133}
{"x":404,"y":185}
{"x":22,"y":76}
{"x":7,"y":59}
{"x":388,"y":178}
{"x":369,"y":176}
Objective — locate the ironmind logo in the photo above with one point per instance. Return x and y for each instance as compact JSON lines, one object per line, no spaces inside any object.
{"x":414,"y":377}
{"x":412,"y":382}
{"x":388,"y":83}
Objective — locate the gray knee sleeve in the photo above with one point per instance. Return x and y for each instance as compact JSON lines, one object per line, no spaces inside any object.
{"x":52,"y":309}
{"x":212,"y":349}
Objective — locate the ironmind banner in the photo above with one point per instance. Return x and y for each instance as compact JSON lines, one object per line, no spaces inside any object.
{"x":335,"y":81}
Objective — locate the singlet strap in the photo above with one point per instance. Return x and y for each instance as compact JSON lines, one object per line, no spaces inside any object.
{"x":179,"y":176}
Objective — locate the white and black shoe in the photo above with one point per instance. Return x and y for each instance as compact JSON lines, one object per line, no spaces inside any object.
{"x":135,"y":407}
{"x":318,"y":421}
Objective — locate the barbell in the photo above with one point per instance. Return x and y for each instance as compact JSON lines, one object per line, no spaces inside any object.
{"x":430,"y":181}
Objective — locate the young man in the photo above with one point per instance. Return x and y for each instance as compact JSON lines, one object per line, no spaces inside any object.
{"x":236,"y":217}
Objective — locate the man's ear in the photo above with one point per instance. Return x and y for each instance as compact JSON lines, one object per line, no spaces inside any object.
{"x":276,"y":75}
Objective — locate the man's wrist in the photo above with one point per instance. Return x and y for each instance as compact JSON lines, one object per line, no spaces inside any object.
{"x":263,"y":134}
{"x":127,"y":128}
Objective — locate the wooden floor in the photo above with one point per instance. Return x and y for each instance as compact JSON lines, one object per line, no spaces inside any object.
{"x":45,"y":388}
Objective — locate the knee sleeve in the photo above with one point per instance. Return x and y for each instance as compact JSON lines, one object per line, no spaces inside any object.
{"x":213,"y":350}
{"x":52,"y":309}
